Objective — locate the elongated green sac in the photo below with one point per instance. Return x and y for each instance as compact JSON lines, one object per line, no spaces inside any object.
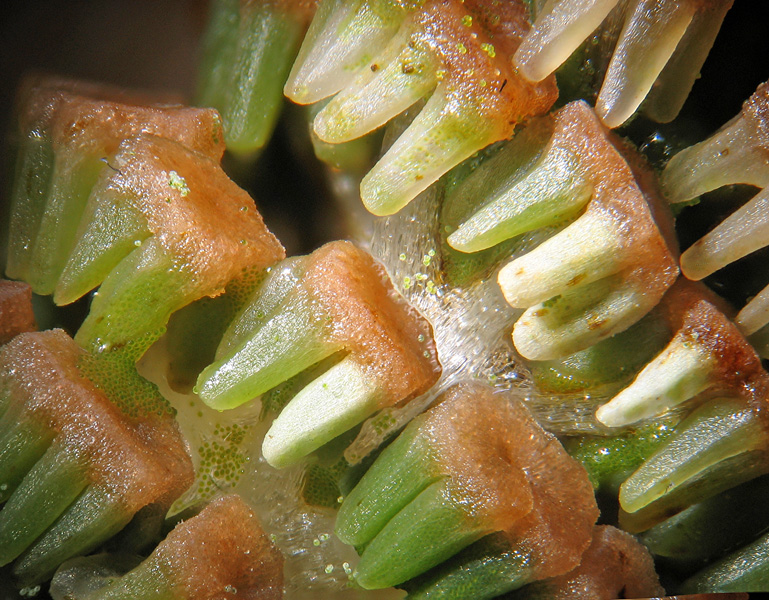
{"x":744,"y":570}
{"x":474,"y":184}
{"x":68,"y":131}
{"x":335,"y":302}
{"x":709,"y":530}
{"x":248,"y":50}
{"x":717,"y":446}
{"x":720,"y":444}
{"x":222,"y":552}
{"x":472,"y":466}
{"x":195,"y":331}
{"x":383,"y":57}
{"x":341,"y":40}
{"x":74,"y":469}
{"x":354,"y":157}
{"x":611,"y":459}
{"x":456,"y":55}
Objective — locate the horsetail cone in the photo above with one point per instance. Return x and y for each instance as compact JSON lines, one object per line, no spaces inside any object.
{"x":164,"y":227}
{"x":471,"y":466}
{"x":74,"y":469}
{"x":734,"y":154}
{"x":597,"y":276}
{"x":68,"y":132}
{"x":16,"y":315}
{"x":220,"y":553}
{"x":336,"y":301}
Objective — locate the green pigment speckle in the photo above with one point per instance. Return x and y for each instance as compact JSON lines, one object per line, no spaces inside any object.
{"x":178,"y":182}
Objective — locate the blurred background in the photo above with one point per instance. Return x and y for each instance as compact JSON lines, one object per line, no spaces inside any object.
{"x":154,"y":44}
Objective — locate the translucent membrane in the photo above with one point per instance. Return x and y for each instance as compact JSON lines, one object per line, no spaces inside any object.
{"x":471,"y":466}
{"x":707,"y":352}
{"x":68,"y":132}
{"x":604,"y":270}
{"x":734,"y":154}
{"x":220,"y":553}
{"x":336,"y":301}
{"x":248,"y":50}
{"x":659,"y":49}
{"x":16,"y":314}
{"x":75,"y":469}
{"x":165,"y":228}
{"x":454,"y":53}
